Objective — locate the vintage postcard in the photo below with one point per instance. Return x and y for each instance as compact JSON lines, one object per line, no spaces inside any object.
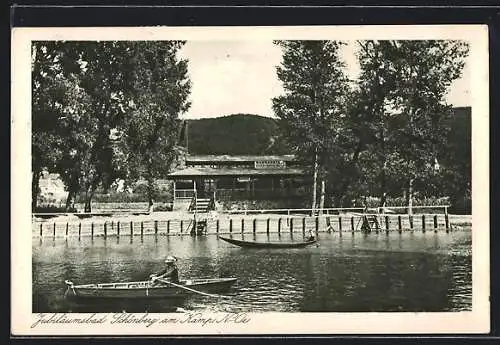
{"x":250,"y":180}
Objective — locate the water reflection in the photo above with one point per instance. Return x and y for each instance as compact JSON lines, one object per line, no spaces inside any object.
{"x":377,"y":272}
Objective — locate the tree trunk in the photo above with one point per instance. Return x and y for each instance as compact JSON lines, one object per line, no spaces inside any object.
{"x":409,"y":197}
{"x":88,"y":203}
{"x":35,"y":188}
{"x":150,"y":201}
{"x":383,"y":187}
{"x":322,"y":196}
{"x":70,"y":200}
{"x":88,"y":206}
{"x":315,"y":182}
{"x":383,"y":177}
{"x":383,"y":201}
{"x":346,"y":181}
{"x":89,"y":194}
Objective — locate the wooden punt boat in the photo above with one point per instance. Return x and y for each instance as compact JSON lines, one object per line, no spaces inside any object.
{"x":146,"y":290}
{"x":253,"y":244}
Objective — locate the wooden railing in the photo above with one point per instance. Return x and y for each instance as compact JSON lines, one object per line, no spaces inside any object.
{"x":342,"y":210}
{"x":184,"y":193}
{"x":192,"y":205}
{"x":263,"y":193}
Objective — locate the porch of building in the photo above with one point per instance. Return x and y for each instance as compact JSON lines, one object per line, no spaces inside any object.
{"x":238,"y":184}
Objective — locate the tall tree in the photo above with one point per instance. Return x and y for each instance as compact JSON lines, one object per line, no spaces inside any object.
{"x":55,"y":97}
{"x":88,"y":94}
{"x":91,"y":79}
{"x":312,"y":109}
{"x":161,"y":90}
{"x":105,"y":78}
{"x":405,"y":83}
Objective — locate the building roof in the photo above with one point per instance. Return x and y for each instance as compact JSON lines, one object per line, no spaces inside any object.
{"x":238,"y":158}
{"x":208,"y":171}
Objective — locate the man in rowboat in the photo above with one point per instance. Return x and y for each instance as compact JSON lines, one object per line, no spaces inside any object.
{"x":169,"y":273}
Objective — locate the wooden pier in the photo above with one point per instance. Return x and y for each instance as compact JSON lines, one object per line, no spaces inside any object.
{"x":227,"y":223}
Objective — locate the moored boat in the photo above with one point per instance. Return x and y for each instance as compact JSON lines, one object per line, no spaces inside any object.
{"x":147,"y":290}
{"x":255,"y":244}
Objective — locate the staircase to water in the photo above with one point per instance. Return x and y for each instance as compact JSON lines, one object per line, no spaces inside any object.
{"x":201,"y":206}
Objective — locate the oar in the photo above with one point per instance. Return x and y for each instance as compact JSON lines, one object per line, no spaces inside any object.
{"x":189,"y":289}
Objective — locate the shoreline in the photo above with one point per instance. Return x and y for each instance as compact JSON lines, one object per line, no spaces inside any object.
{"x":178,"y":215}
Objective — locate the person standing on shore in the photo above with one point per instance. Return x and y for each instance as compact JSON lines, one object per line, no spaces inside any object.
{"x":170,"y":273}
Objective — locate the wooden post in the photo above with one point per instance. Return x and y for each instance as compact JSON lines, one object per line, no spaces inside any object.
{"x":168,"y":226}
{"x":242,"y":225}
{"x":279,"y":225}
{"x":291,"y":225}
{"x":435,"y":221}
{"x":217,"y":225}
{"x":118,"y":228}
{"x":131,"y":228}
{"x":67,"y":225}
{"x":317,"y":224}
{"x":92,"y":230}
{"x":79,"y":229}
{"x":304,"y":226}
{"x":41,"y":228}
{"x":399,"y":224}
{"x":410,"y":218}
{"x":54,"y":230}
{"x":340,"y":224}
{"x":352,"y":223}
{"x":423,"y":221}
{"x":156,"y":227}
{"x":230,"y":224}
{"x":112,"y":225}
{"x":267,"y":225}
{"x":105,"y":230}
{"x":142,"y":228}
{"x":182,"y":226}
{"x":254,"y":225}
{"x":387,"y":223}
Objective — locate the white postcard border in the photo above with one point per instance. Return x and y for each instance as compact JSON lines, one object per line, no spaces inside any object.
{"x":22,"y":319}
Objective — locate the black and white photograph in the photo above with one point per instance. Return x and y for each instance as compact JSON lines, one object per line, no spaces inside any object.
{"x":250,"y":180}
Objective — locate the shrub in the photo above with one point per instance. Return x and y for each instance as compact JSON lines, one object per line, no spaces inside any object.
{"x":262,"y":204}
{"x":53,"y":209}
{"x":162,"y":208}
{"x":125,"y":197}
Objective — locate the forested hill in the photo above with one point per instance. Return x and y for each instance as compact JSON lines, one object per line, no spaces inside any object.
{"x":237,"y":134}
{"x":241,"y":134}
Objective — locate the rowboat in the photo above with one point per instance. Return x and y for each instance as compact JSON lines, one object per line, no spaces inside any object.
{"x":253,"y":244}
{"x":147,"y":290}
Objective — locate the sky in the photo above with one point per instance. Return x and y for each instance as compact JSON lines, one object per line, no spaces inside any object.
{"x":231,"y":77}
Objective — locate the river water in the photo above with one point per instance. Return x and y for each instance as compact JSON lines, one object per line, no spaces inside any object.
{"x":354,"y":272}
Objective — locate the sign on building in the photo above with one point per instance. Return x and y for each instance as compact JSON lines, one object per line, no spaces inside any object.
{"x":270,"y":164}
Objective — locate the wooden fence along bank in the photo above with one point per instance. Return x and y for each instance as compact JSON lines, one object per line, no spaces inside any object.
{"x":245,"y":224}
